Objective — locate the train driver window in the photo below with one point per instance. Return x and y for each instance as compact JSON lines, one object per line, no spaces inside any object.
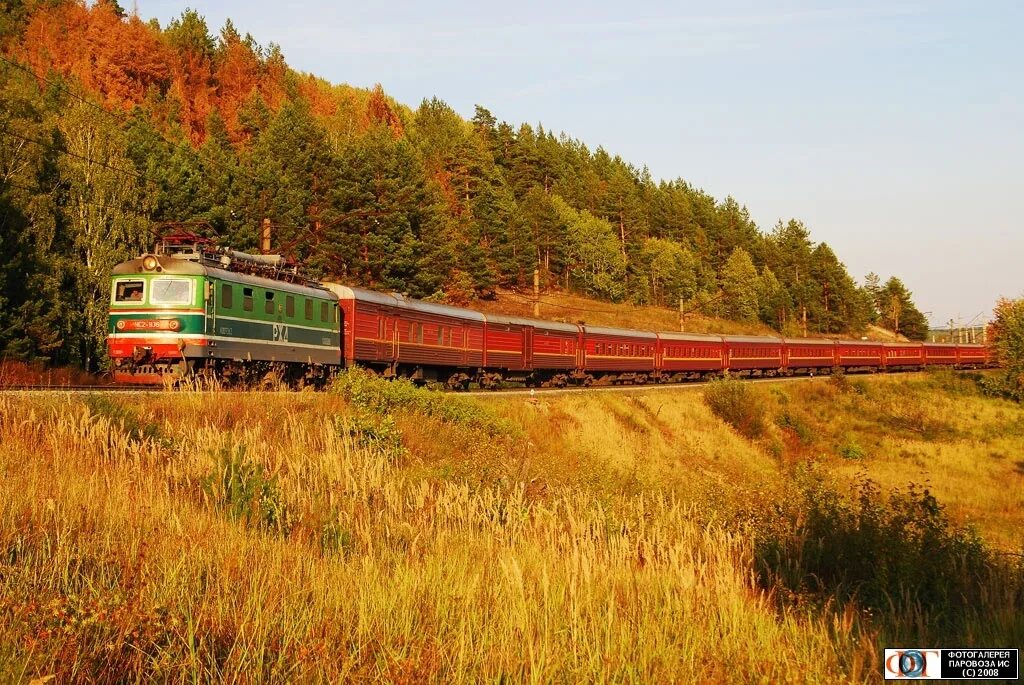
{"x":268,"y":302}
{"x":171,"y":291}
{"x":247,"y":299}
{"x":227,"y":293}
{"x":129,"y":291}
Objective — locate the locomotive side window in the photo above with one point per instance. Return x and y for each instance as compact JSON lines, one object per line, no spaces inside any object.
{"x":289,"y":305}
{"x":226,"y":295}
{"x":309,"y":310}
{"x":129,"y":291}
{"x":323,"y":312}
{"x":171,"y":291}
{"x":247,"y":299}
{"x":268,"y":302}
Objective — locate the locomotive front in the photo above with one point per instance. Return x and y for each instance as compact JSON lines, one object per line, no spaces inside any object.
{"x":156,"y":311}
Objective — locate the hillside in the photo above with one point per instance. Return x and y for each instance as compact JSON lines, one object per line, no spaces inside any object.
{"x":390,"y":534}
{"x":115,"y":129}
{"x":570,"y":308}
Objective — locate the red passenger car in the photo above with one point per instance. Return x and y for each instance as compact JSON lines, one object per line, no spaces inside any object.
{"x":940,"y":354}
{"x":397,"y":335}
{"x":688,"y":355}
{"x":972,"y":356}
{"x":805,"y":355}
{"x":858,"y":354}
{"x":903,"y":356}
{"x":619,"y":354}
{"x":753,"y":355}
{"x":530,"y":350}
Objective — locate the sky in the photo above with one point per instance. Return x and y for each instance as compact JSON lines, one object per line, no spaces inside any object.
{"x":894,"y":130}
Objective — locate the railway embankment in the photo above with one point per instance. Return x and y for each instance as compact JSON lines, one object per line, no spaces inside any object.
{"x":379,"y":531}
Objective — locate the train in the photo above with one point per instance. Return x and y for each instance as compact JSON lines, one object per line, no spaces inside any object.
{"x":191,"y":308}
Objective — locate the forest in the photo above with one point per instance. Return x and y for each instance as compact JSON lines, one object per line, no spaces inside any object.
{"x":114,"y":130}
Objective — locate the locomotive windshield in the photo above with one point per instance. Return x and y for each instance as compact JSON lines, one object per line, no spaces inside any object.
{"x":129,"y":291}
{"x":171,"y":291}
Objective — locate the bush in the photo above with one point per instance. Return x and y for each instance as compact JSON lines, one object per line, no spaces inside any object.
{"x":381,"y":396}
{"x":792,"y":421}
{"x":739,"y":405}
{"x":243,"y":489}
{"x":851,"y":450}
{"x":890,"y":553}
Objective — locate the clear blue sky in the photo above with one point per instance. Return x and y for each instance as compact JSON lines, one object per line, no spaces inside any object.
{"x":893,"y":129}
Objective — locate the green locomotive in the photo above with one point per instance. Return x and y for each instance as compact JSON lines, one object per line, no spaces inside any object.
{"x":193,"y":308}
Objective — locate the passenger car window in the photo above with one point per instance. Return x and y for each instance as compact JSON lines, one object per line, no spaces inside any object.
{"x":171,"y":291}
{"x":129,"y":291}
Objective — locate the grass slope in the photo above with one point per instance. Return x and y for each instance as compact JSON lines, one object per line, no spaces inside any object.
{"x":383,"y":533}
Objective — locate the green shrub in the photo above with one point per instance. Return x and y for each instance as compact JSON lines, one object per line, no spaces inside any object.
{"x":375,"y":432}
{"x":897,"y":553}
{"x":739,"y":405}
{"x":124,"y":416}
{"x":382,"y":396}
{"x":851,"y":450}
{"x":242,"y":489}
{"x":791,"y":421}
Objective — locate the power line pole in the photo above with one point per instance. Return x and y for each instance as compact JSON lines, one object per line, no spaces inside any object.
{"x":536,"y":293}
{"x":265,"y":237}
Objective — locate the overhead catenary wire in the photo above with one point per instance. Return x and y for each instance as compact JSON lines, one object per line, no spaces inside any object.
{"x":98,"y":205}
{"x":58,"y":150}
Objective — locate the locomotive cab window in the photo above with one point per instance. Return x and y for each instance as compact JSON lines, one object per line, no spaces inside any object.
{"x":247,"y":299}
{"x":268,"y":304}
{"x":171,"y":291}
{"x":129,"y":291}
{"x":226,"y":295}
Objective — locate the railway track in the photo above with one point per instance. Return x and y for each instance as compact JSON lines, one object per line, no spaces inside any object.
{"x":528,"y":392}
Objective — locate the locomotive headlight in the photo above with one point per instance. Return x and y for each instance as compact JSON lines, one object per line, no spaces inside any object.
{"x":149,"y":263}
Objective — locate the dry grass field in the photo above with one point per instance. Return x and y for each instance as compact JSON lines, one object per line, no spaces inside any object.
{"x":383,"y":533}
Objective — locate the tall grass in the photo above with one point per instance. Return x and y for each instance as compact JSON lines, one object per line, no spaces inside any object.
{"x":378,"y":533}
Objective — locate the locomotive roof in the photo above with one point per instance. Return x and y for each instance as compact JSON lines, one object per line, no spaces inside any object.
{"x":903,"y":343}
{"x":184,"y":267}
{"x":403,"y":302}
{"x":624,"y":332}
{"x":536,"y":323}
